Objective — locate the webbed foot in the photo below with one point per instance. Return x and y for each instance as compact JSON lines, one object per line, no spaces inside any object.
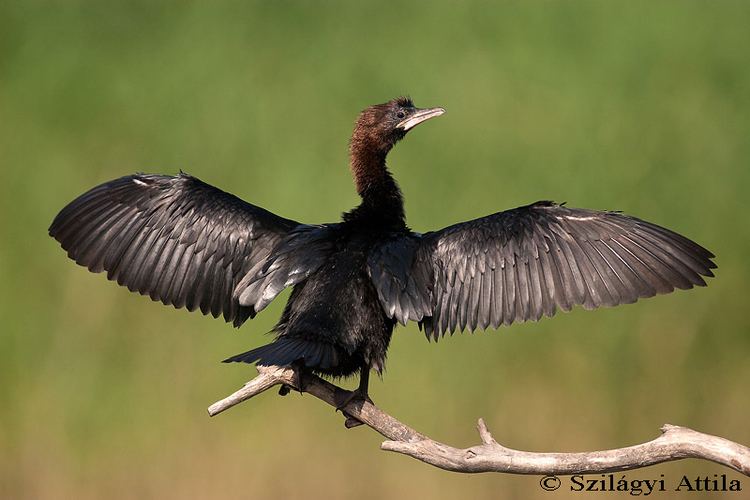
{"x":300,"y":382}
{"x":344,"y":398}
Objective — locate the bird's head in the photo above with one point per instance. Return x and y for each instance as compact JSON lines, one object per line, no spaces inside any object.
{"x":381,"y":126}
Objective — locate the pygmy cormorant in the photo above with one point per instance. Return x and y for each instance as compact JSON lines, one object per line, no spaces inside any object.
{"x":188,"y":244}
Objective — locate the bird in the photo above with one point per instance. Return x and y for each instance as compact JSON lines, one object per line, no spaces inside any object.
{"x":191,"y":245}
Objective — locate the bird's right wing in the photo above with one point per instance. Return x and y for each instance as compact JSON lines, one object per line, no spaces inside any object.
{"x":524,"y":263}
{"x":176,"y":239}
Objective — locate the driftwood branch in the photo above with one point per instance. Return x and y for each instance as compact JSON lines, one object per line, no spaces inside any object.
{"x":674,"y":443}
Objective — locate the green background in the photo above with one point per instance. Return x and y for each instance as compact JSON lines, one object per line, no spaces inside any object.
{"x":636,"y":106}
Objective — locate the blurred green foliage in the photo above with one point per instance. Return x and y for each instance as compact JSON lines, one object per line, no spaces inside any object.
{"x":638,"y":106}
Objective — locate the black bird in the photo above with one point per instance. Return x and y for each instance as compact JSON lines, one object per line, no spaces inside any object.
{"x":188,"y":244}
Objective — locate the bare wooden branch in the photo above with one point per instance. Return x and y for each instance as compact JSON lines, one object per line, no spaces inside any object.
{"x":675,"y":443}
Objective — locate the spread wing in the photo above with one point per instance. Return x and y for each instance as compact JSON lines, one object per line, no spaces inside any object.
{"x":524,"y":263}
{"x":175,"y":239}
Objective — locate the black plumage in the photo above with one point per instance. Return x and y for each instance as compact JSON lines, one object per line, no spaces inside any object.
{"x":191,"y":245}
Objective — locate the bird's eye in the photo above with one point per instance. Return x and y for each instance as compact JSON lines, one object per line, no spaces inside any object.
{"x":401,"y":114}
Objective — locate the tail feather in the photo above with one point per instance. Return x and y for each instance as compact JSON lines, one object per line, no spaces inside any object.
{"x":285,"y":351}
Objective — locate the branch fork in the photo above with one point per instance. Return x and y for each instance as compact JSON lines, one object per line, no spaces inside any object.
{"x":674,"y":443}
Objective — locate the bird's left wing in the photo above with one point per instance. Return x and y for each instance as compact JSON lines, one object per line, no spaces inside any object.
{"x":527,"y":262}
{"x":177,"y":239}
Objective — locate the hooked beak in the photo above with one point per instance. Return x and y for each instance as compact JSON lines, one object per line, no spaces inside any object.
{"x":419,"y":116}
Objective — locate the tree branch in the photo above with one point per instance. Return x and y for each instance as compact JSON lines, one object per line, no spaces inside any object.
{"x":675,"y":443}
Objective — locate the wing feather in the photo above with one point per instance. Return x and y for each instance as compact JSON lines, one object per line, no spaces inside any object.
{"x":176,"y":239}
{"x":526,"y":263}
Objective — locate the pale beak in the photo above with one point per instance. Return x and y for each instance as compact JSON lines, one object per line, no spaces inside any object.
{"x":419,"y":116}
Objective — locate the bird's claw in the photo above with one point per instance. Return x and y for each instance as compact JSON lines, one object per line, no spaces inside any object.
{"x":344,"y":398}
{"x":299,"y":383}
{"x":351,"y":422}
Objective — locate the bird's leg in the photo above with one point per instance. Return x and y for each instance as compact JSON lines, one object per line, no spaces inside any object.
{"x":359,"y":394}
{"x":299,"y":380}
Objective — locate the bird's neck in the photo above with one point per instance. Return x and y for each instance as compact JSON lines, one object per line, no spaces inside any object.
{"x":382,"y":201}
